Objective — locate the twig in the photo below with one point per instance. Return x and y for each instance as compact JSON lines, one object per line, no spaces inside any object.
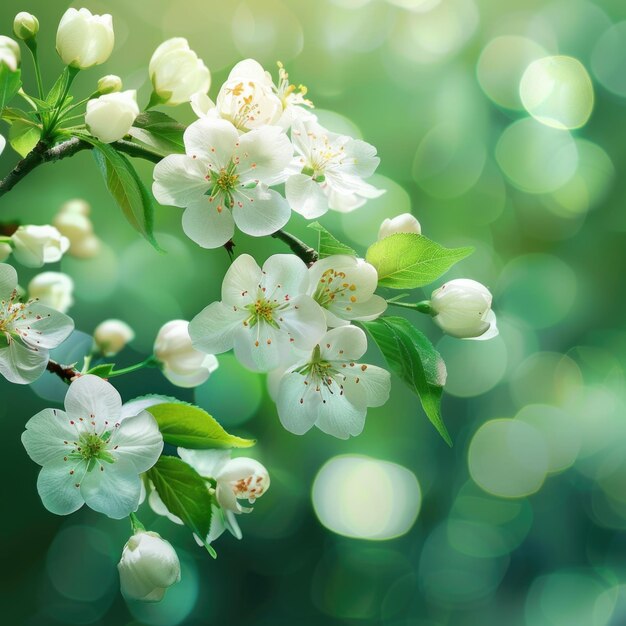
{"x":306,"y":253}
{"x":65,"y":372}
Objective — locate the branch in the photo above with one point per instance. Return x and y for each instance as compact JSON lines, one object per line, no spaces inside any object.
{"x":41,"y":153}
{"x":65,"y":372}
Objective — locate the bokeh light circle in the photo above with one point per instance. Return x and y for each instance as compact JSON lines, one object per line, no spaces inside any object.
{"x":557,"y":92}
{"x":362,"y":497}
{"x":609,"y":59}
{"x":508,"y":458}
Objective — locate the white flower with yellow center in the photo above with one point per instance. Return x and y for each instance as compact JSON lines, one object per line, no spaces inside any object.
{"x":224,"y":180}
{"x":328,"y":171}
{"x":344,"y":287}
{"x":263,"y":313}
{"x":93,"y":452}
{"x":330,"y":389}
{"x":28,"y":330}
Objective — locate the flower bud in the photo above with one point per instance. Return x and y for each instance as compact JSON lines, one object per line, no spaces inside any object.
{"x":241,"y":478}
{"x":35,"y":245}
{"x":25,"y":26}
{"x":87,"y":248}
{"x":5,"y":252}
{"x":110,"y":117}
{"x":76,"y":205}
{"x":462,"y":308}
{"x":53,"y":289}
{"x":182,"y":364}
{"x":111,"y":336}
{"x":109,"y":84}
{"x":72,"y":221}
{"x":405,"y":223}
{"x":149,"y":565}
{"x":177,"y":73}
{"x":9,"y":53}
{"x":84,"y":39}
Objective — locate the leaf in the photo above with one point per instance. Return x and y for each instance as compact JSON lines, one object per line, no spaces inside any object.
{"x":23,"y":136}
{"x":189,"y":426}
{"x":413,"y":358}
{"x":185,"y":494}
{"x":11,"y":115}
{"x":103,"y":370}
{"x":126,"y":187}
{"x":160,"y":132}
{"x":58,"y":88}
{"x":329,"y":244}
{"x":10,"y":83}
{"x":407,"y":260}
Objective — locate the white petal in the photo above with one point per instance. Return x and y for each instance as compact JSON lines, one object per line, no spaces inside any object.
{"x":112,"y":488}
{"x":90,"y":397}
{"x":305,"y":321}
{"x":57,"y":487}
{"x":285,"y":277}
{"x":369,"y":386}
{"x":340,"y":418}
{"x":360,"y":159}
{"x":136,"y":406}
{"x":138,"y":440}
{"x":305,"y":196}
{"x":201,"y":104}
{"x":346,"y":343}
{"x":21,"y":364}
{"x":241,"y":281}
{"x":211,"y":140}
{"x":297,"y":404}
{"x":365,"y":310}
{"x":157,"y":505}
{"x":208,"y":222}
{"x":260,"y":211}
{"x":212,"y":330}
{"x":264,"y":155}
{"x":43,"y":327}
{"x":8,"y":280}
{"x":179,"y":180}
{"x":44,"y":436}
{"x":208,"y":463}
{"x":251,"y":69}
{"x":261,"y":348}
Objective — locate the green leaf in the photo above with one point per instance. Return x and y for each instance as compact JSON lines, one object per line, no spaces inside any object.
{"x":185,"y":494}
{"x":103,"y":370}
{"x":10,"y":83}
{"x":407,"y":260}
{"x":126,"y":187}
{"x":23,"y":136}
{"x":329,"y":244}
{"x":11,"y":115}
{"x":58,"y":88}
{"x":413,"y":358}
{"x":160,"y":132}
{"x":189,"y":426}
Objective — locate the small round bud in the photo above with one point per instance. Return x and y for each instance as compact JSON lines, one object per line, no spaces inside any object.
{"x":109,"y":84}
{"x":53,"y":289}
{"x":405,"y":223}
{"x":25,"y":26}
{"x":111,"y":336}
{"x":5,"y":251}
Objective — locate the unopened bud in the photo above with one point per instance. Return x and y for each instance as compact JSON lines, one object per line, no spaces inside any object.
{"x":25,"y":26}
{"x":109,"y":84}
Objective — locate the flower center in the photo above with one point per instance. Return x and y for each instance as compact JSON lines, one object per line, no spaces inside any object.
{"x":262,"y":310}
{"x":332,"y":286}
{"x":226,"y":180}
{"x":91,"y":446}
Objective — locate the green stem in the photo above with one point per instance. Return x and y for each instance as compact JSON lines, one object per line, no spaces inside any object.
{"x":149,"y":362}
{"x":136,"y":524}
{"x":71,"y":75}
{"x":6,"y":240}
{"x":422,"y":307}
{"x":32,"y":46}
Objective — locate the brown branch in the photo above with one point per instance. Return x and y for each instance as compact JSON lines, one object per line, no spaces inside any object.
{"x":306,"y":253}
{"x":66,"y":373}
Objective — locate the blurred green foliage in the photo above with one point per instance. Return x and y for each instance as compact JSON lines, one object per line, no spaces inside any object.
{"x":522,"y":522}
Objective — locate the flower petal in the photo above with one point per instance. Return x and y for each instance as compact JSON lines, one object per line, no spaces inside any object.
{"x":365,"y":310}
{"x":241,"y":281}
{"x":305,"y":196}
{"x":206,"y":224}
{"x":8,"y":281}
{"x":207,"y":463}
{"x":340,"y":418}
{"x":21,"y":364}
{"x":44,"y":436}
{"x":261,"y":348}
{"x":90,"y":397}
{"x":260,"y":211}
{"x":346,"y":343}
{"x":285,"y":276}
{"x":212,"y":141}
{"x":138,"y":440}
{"x":112,"y":488}
{"x":367,"y":385}
{"x":57,"y":487}
{"x":297,"y":415}
{"x":157,"y":505}
{"x":43,"y":327}
{"x":179,"y":180}
{"x":212,"y":330}
{"x":263,"y":155}
{"x":305,"y":321}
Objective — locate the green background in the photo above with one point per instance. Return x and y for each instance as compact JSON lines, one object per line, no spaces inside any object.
{"x":406,"y":82}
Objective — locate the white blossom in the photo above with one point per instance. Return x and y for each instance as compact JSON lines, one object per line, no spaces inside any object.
{"x":111,"y":336}
{"x":27,"y":331}
{"x":404,"y":223}
{"x":111,"y":83}
{"x":328,"y":171}
{"x":9,"y":53}
{"x":148,"y":567}
{"x":25,"y":25}
{"x":53,"y":289}
{"x":462,"y":308}
{"x":183,"y":365}
{"x":223,"y":180}
{"x":330,"y":389}
{"x":111,"y":116}
{"x":33,"y":246}
{"x":73,"y":222}
{"x":263,"y":313}
{"x":344,"y":287}
{"x":83,"y":39}
{"x":177,"y":73}
{"x":91,"y":453}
